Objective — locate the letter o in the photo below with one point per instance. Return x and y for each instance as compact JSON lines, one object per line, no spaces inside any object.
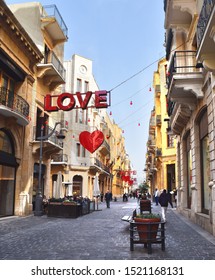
{"x":61,"y":99}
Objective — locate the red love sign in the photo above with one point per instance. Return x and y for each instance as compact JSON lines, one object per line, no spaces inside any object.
{"x":91,"y":141}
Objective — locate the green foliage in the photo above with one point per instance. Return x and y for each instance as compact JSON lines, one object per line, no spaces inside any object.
{"x":148,"y":216}
{"x":56,"y":199}
{"x":143,"y":188}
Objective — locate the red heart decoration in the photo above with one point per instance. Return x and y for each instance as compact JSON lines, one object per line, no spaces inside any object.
{"x":91,"y":141}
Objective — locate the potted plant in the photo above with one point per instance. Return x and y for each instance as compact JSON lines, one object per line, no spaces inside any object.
{"x":147,"y":225}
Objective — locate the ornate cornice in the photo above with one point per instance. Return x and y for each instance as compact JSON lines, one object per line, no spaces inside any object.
{"x":13,"y":28}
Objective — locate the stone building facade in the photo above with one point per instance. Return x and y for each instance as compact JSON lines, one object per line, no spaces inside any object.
{"x":190,"y":80}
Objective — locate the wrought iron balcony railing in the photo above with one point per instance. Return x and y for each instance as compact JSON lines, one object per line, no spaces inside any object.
{"x":13,"y":101}
{"x":158,"y":152}
{"x":59,"y":158}
{"x":98,"y":163}
{"x":47,"y":129}
{"x":53,"y":59}
{"x":204,"y":16}
{"x":106,"y":145}
{"x":52,"y":11}
{"x":170,"y":107}
{"x":182,"y":62}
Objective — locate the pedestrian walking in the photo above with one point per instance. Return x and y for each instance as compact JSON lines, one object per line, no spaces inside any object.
{"x":108,"y":198}
{"x":156,"y":195}
{"x":164,"y":200}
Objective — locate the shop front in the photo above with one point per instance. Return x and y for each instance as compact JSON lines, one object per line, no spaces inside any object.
{"x":8,"y":166}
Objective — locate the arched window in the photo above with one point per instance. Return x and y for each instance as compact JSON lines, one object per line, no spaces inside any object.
{"x":77,"y":185}
{"x":7,"y":154}
{"x":5,"y":143}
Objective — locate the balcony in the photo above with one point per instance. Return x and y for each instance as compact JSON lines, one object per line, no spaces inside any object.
{"x":51,"y":70}
{"x":51,"y":146}
{"x":13,"y":105}
{"x":99,"y":166}
{"x":151,"y":143}
{"x":105,"y":148}
{"x":157,"y":90}
{"x":158,"y":152}
{"x":206,"y":35}
{"x":184,"y":79}
{"x":158,"y":120}
{"x":152,"y":123}
{"x":59,"y":159}
{"x":180,"y":116}
{"x":179,"y":13}
{"x":53,"y":24}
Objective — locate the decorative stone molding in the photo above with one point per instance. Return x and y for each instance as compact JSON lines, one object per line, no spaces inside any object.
{"x":15,"y":30}
{"x":188,"y":6}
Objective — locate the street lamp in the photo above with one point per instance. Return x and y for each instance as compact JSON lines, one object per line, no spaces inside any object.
{"x":39,"y":198}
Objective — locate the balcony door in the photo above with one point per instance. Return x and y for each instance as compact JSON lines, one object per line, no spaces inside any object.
{"x":7,"y":90}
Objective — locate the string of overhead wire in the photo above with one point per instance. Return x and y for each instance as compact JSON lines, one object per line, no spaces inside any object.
{"x":134,"y":75}
{"x":131,"y":95}
{"x":134,"y":112}
{"x":146,"y":67}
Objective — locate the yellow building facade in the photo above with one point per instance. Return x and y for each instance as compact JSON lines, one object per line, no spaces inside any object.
{"x":33,"y":68}
{"x":19,"y":56}
{"x":161,"y":151}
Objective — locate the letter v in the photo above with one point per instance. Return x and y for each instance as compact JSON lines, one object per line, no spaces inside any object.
{"x":84,"y":103}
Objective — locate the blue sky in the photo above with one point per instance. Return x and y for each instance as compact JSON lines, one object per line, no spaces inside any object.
{"x":122,"y":38}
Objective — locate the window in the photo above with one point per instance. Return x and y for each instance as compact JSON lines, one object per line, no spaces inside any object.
{"x":170,"y":141}
{"x":86,"y":86}
{"x":78,"y":150}
{"x":81,"y":116}
{"x":205,"y":162}
{"x":83,"y":152}
{"x":86,"y":116}
{"x":7,"y":174}
{"x":79,"y":86}
{"x":7,"y":91}
{"x":76,"y":116}
{"x":189,"y":170}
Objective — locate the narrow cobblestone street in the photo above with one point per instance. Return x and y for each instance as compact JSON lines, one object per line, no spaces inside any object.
{"x":100,"y":235}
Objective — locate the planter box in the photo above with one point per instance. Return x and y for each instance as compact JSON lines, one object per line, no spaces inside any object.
{"x":147,"y":232}
{"x":66,"y":210}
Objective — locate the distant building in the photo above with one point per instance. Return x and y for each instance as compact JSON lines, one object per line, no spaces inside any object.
{"x":83,"y":165}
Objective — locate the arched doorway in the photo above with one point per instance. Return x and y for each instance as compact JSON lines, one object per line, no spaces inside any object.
{"x":77,"y":185}
{"x":8,"y":166}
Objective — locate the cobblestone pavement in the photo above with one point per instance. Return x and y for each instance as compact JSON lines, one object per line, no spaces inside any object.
{"x":100,"y":235}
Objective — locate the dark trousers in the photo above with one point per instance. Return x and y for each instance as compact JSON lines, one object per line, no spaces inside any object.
{"x":156,"y":200}
{"x":108,"y":203}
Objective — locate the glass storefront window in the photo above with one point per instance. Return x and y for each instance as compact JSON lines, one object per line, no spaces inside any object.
{"x":7,"y":184}
{"x":7,"y":174}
